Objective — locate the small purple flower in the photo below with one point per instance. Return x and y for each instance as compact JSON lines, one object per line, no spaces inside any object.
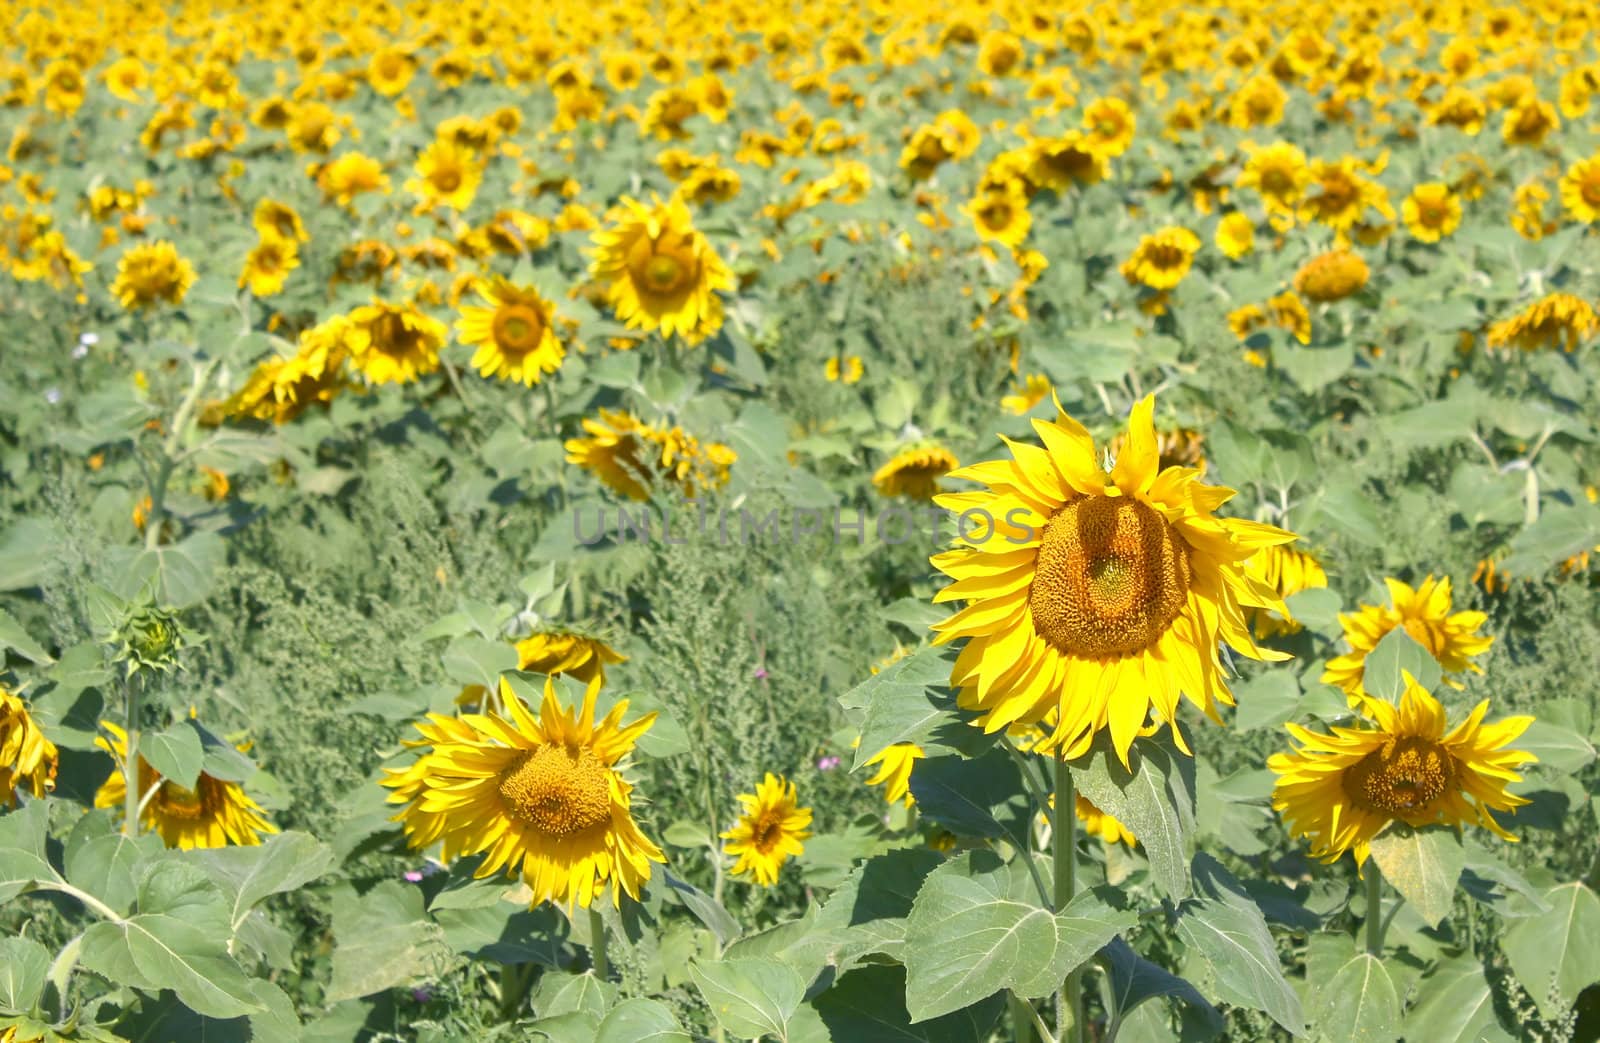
{"x":827,"y":763}
{"x":414,"y":876}
{"x":761,"y":673}
{"x":422,"y":995}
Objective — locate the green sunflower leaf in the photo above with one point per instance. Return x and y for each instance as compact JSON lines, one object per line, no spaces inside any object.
{"x":1155,"y":801}
{"x":1359,"y":1004}
{"x":1397,"y":652}
{"x":24,"y":966}
{"x":752,"y":997}
{"x":1228,"y":934}
{"x":640,"y":1021}
{"x":1455,"y":1005}
{"x":1556,"y":955}
{"x":176,"y":752}
{"x":1424,"y":865}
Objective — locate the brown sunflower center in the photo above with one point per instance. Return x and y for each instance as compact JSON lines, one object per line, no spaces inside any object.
{"x":661,"y":268}
{"x":447,"y":180}
{"x":997,"y":215}
{"x":1404,"y":777}
{"x":1112,"y":575}
{"x":1337,"y":195}
{"x":176,"y":801}
{"x":767,"y":830}
{"x":1590,"y":190}
{"x":559,"y":790}
{"x":518,"y":328}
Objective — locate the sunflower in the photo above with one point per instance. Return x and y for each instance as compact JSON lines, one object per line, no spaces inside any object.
{"x":848,"y":370}
{"x":1000,"y":212}
{"x":1341,"y":195}
{"x":215,"y":813}
{"x":1424,"y":613}
{"x":1528,"y":213}
{"x":1109,"y":127}
{"x":1331,"y":276}
{"x":151,"y":272}
{"x":1580,"y":189}
{"x":268,"y":265}
{"x":539,"y":796}
{"x":894,"y":771}
{"x":126,"y":78}
{"x":566,"y":652}
{"x":769,"y":831}
{"x":1556,"y":318}
{"x":1097,"y":597}
{"x":1236,"y":235}
{"x":914,"y":473}
{"x":447,"y":175}
{"x":27,"y":759}
{"x":1287,"y":570}
{"x":351,"y":175}
{"x":280,"y":219}
{"x":1162,"y":259}
{"x":1341,"y":789}
{"x":659,"y":271}
{"x":389,"y":70}
{"x":1431,"y":212}
{"x":1459,"y":108}
{"x":1060,"y":163}
{"x":393,"y":343}
{"x":514,"y":335}
{"x":1289,"y":312}
{"x":1279,"y":173}
{"x":1529,"y":123}
{"x":1034,"y":389}
{"x":616,"y":450}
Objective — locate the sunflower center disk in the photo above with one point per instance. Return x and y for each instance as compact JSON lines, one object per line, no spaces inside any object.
{"x":1112,"y":575}
{"x":179,"y":802}
{"x":768,"y":828}
{"x":557,"y":790}
{"x":1404,"y":777}
{"x":517,"y":328}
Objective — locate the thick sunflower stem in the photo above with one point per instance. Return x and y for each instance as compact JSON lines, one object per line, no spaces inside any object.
{"x":130,"y":764}
{"x":1064,"y":838}
{"x":1021,"y":1018}
{"x":1374,"y":909}
{"x":597,"y":944}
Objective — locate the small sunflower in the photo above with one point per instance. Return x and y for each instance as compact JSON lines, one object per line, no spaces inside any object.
{"x":848,"y":370}
{"x":1556,"y":318}
{"x":538,"y":796}
{"x":1162,"y":259}
{"x":1580,"y":189}
{"x":1331,"y":276}
{"x":1279,"y":173}
{"x":28,"y":760}
{"x":660,"y":272}
{"x":1109,"y":127}
{"x":914,"y":473}
{"x":1340,"y":790}
{"x":351,"y":175}
{"x":894,"y":771}
{"x":999,"y":212}
{"x":272,"y":218}
{"x":1529,"y":123}
{"x":268,"y":265}
{"x":1289,"y":312}
{"x":393,"y":343}
{"x":1340,"y":195}
{"x":215,"y":813}
{"x":1431,"y":212}
{"x":152,"y":272}
{"x":1096,"y":598}
{"x":616,"y":449}
{"x":1287,"y":571}
{"x":1034,"y":389}
{"x":1061,"y":163}
{"x":389,"y":71}
{"x":769,"y":831}
{"x":514,"y":336}
{"x":1424,"y":613}
{"x":567,"y":652}
{"x":447,"y":175}
{"x":1236,"y":235}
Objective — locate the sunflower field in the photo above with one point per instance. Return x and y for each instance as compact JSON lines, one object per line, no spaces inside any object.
{"x":678,"y":521}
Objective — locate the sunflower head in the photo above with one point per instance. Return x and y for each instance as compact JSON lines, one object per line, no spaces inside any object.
{"x":393,"y":343}
{"x":1331,"y":276}
{"x":1452,"y":638}
{"x":567,"y":652}
{"x":769,"y":831}
{"x":541,"y":796}
{"x":915,"y":472}
{"x":1555,"y":319}
{"x":150,"y":273}
{"x":514,"y":336}
{"x":1580,"y":189}
{"x":1096,"y":598}
{"x":659,"y":270}
{"x":894,"y":771}
{"x":1343,"y":788}
{"x":28,"y":760}
{"x":1162,"y":258}
{"x":215,"y":813}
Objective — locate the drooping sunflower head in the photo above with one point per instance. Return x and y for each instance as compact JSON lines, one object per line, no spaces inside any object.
{"x":617,"y":448}
{"x":567,"y":652}
{"x":351,"y":175}
{"x":152,"y":272}
{"x":215,"y":813}
{"x":660,"y":271}
{"x":394,"y":343}
{"x":540,"y":796}
{"x":1162,"y":258}
{"x":514,"y":335}
{"x":1341,"y":789}
{"x":1555,"y":319}
{"x":1424,"y":613}
{"x":914,"y":473}
{"x":1096,"y":597}
{"x":28,"y":760}
{"x":769,"y":831}
{"x":1331,"y":276}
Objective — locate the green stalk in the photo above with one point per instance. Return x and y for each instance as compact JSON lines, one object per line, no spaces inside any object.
{"x":597,"y":944}
{"x":1064,"y":839}
{"x":1374,"y":909}
{"x":130,"y":764}
{"x":1021,"y":1018}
